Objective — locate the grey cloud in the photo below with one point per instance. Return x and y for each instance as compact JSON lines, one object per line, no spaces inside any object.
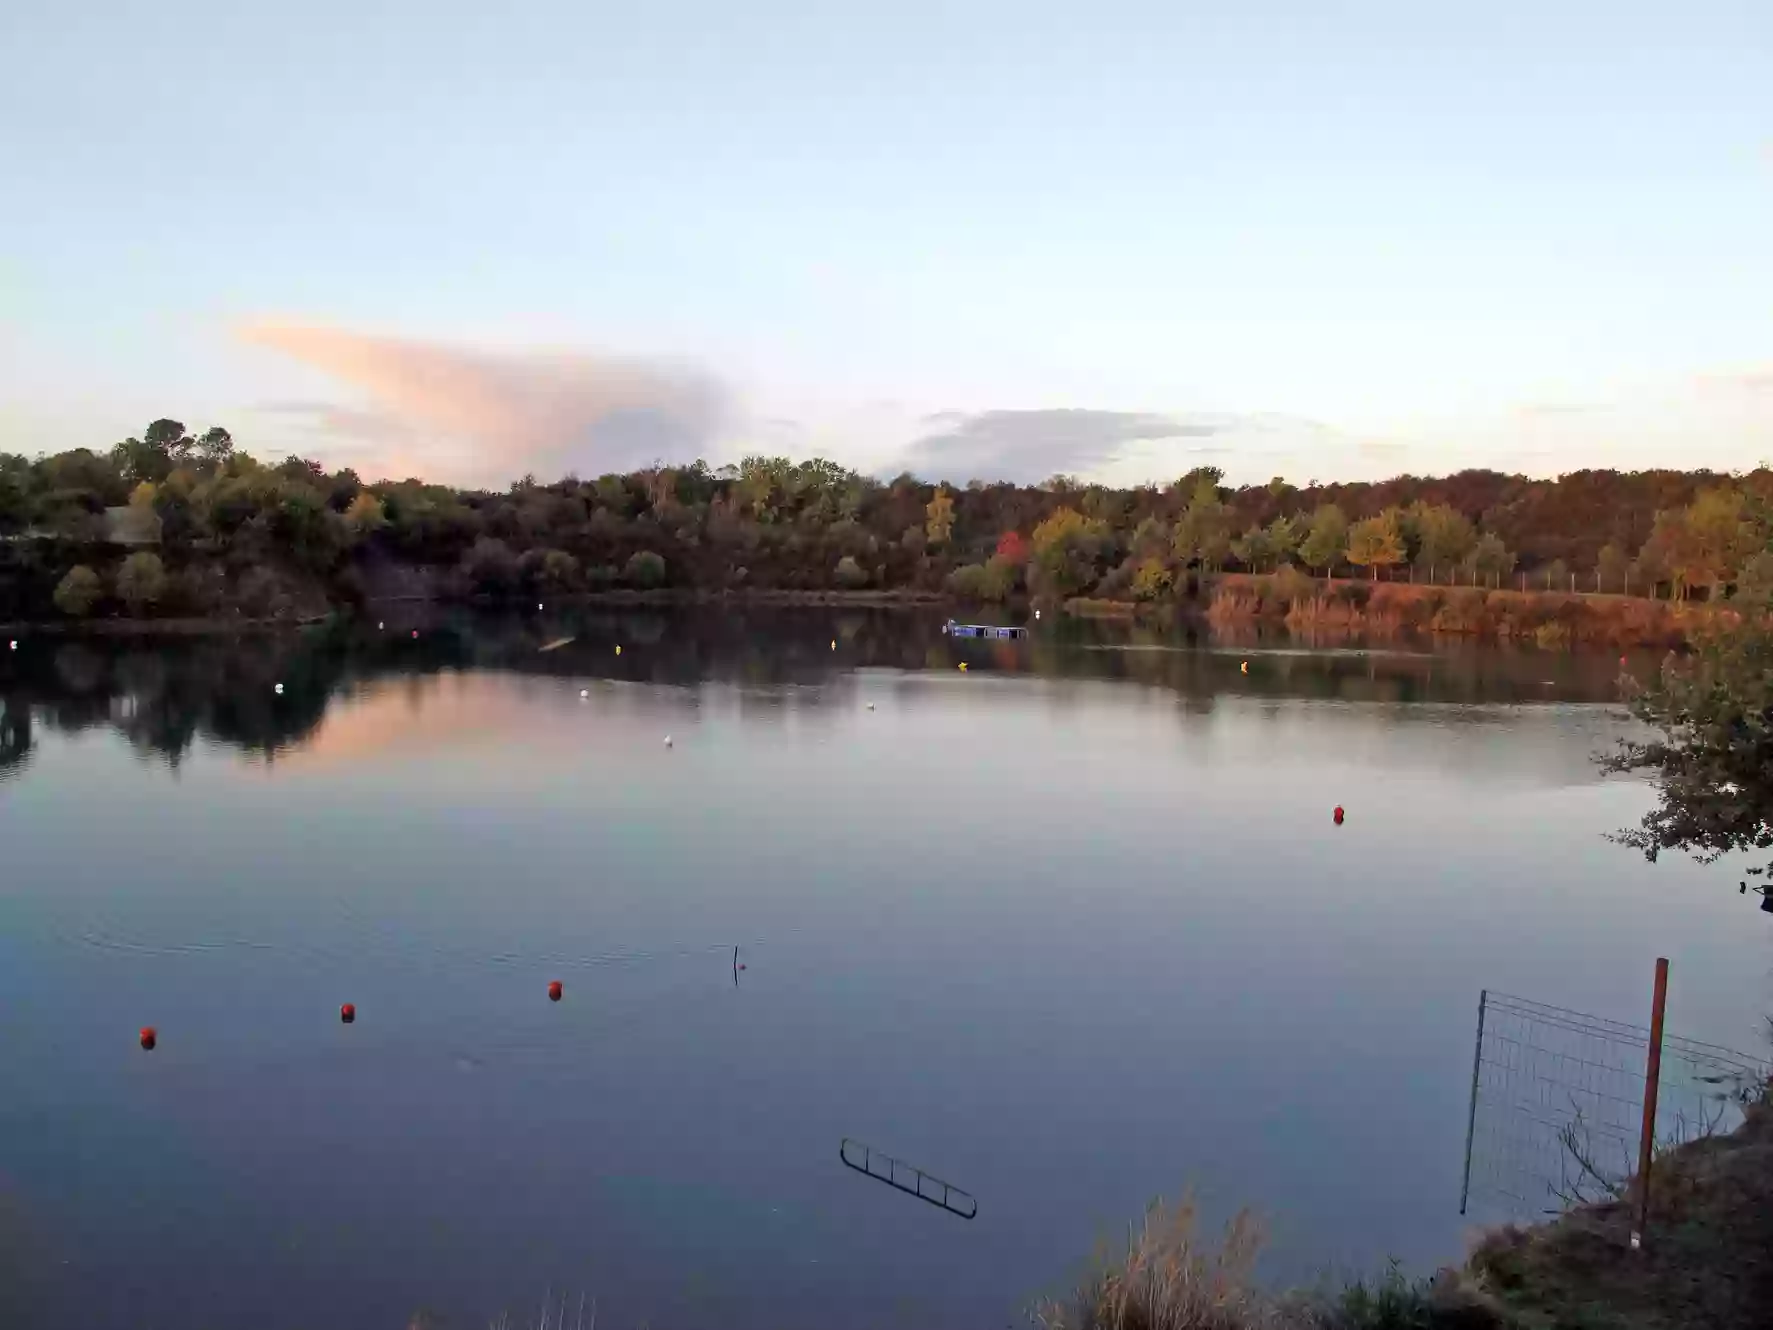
{"x":1029,"y":446}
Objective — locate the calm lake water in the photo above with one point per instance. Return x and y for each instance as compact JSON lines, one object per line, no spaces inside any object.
{"x":1070,"y":929}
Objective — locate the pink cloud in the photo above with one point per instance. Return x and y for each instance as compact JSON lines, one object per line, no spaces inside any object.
{"x":497,"y":413}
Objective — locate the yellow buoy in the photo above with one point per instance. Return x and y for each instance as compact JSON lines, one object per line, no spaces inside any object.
{"x":834,"y":644}
{"x":963,"y":666}
{"x":618,"y":651}
{"x":1246,"y":667}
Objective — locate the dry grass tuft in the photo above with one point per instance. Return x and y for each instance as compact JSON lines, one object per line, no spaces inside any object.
{"x":1168,"y":1280}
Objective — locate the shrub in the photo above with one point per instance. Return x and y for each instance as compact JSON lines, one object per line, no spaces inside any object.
{"x":968,"y":581}
{"x":366,"y":514}
{"x":78,"y":592}
{"x":1165,"y":1281}
{"x":1288,"y":584}
{"x":849,"y":574}
{"x":490,"y":566}
{"x":141,"y":581}
{"x":645,"y":569}
{"x":1553,"y":634}
{"x":560,"y":571}
{"x":1152,"y":580}
{"x":261,"y":594}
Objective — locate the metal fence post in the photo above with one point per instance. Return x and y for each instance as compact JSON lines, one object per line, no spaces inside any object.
{"x":1652,"y":1078}
{"x":1477,"y":1059}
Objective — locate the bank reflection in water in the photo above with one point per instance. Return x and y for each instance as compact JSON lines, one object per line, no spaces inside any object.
{"x":165,"y":697}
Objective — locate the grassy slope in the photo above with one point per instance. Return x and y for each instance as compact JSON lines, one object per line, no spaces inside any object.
{"x":1707,"y":1262}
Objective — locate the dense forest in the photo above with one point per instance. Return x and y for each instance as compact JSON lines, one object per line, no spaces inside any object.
{"x":176,"y":525}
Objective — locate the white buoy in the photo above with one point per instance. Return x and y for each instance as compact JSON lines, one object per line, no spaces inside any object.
{"x":584,"y":692}
{"x":13,"y":644}
{"x":834,"y":644}
{"x":538,"y":604}
{"x":1037,"y":614}
{"x":278,"y":690}
{"x":380,"y":626}
{"x":871,"y":706}
{"x":667,"y":741}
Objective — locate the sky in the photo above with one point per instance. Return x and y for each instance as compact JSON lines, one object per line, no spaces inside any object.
{"x":1323,"y":240}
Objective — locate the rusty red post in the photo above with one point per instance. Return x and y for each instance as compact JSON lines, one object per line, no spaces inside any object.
{"x":1652,"y":1080}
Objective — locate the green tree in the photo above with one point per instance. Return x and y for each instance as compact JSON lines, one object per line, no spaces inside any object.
{"x":1713,"y":753}
{"x":1201,"y":483}
{"x":560,"y":571}
{"x":1284,"y":534}
{"x":141,"y":581}
{"x":1490,"y":560}
{"x":1253,"y":549}
{"x":168,"y":438}
{"x":16,"y":486}
{"x":1444,"y":537}
{"x":78,"y":591}
{"x":1001,"y":576}
{"x":491,"y":567}
{"x":1754,"y":582}
{"x":1611,"y":569}
{"x":1324,"y":542}
{"x":1650,"y":570}
{"x":1376,"y":543}
{"x":645,"y":569}
{"x":1557,"y":575}
{"x":849,"y":574}
{"x":1203,"y":531}
{"x":967,"y":581}
{"x":137,"y":460}
{"x":1152,"y":537}
{"x":215,"y":447}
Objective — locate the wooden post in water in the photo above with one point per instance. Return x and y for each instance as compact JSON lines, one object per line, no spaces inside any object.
{"x":1652,"y":1081}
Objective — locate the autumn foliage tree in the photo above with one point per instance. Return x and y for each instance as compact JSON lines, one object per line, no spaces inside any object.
{"x":1065,"y":551}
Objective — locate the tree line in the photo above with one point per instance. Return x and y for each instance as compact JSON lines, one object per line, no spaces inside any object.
{"x":234,"y":533}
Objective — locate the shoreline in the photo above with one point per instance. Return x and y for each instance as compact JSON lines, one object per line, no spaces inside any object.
{"x":1549,"y":619}
{"x":120,"y":626}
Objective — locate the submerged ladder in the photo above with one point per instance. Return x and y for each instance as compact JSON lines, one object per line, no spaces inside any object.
{"x":951,"y":1198}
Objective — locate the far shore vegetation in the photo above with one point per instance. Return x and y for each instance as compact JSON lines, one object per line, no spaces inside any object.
{"x":173,"y":526}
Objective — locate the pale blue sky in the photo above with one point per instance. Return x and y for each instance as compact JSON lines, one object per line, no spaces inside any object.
{"x":1395,"y":232}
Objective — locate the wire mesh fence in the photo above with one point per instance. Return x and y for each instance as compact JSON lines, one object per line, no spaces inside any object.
{"x":1558,"y":1100}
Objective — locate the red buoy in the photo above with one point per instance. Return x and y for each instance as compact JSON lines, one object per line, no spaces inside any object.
{"x":348,"y":1012}
{"x":148,"y":1037}
{"x":1338,"y":814}
{"x":415,"y":632}
{"x":554,"y":990}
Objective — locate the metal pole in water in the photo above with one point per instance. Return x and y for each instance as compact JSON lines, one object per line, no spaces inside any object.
{"x":1652,"y":1082}
{"x":1477,"y":1058}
